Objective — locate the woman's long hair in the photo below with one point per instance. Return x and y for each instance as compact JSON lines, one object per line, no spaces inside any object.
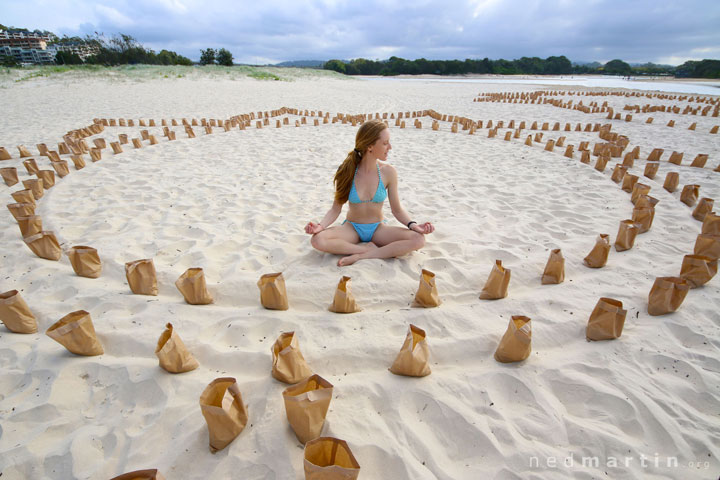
{"x":367,"y":134}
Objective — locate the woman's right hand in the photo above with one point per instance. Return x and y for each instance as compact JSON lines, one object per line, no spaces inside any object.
{"x":312,"y":228}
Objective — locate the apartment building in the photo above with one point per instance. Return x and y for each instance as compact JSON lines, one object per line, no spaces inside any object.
{"x":32,"y":48}
{"x":23,"y":39}
{"x":28,"y":56}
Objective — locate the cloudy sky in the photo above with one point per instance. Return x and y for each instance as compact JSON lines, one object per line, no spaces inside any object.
{"x":270,"y":31}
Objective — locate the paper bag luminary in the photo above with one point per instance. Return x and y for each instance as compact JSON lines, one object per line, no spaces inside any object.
{"x":273,"y":294}
{"x":413,"y":360}
{"x":288,"y":363}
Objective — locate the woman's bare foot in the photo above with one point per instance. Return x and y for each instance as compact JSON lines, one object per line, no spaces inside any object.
{"x":350,"y":259}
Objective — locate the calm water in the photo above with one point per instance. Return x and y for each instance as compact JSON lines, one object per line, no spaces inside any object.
{"x":703,"y":88}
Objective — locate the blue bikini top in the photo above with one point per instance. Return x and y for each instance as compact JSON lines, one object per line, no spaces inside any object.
{"x":380,"y":193}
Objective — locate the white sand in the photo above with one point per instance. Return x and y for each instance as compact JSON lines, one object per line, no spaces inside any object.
{"x":235,"y":204}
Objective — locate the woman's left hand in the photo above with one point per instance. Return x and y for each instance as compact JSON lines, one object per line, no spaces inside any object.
{"x":423,"y":228}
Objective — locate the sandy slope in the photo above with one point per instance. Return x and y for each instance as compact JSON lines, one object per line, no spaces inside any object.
{"x":235,"y":203}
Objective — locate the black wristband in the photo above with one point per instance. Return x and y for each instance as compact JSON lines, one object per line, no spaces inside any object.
{"x":410,"y":223}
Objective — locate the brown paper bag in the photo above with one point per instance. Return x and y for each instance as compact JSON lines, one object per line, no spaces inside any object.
{"x":9,"y":175}
{"x":140,"y":475}
{"x":515,"y":345}
{"x":601,"y":163}
{"x":704,"y":207}
{"x":78,"y":161}
{"x":21,"y":209}
{"x":85,"y":261}
{"x":44,"y":245}
{"x":618,"y":173}
{"x":598,"y":256}
{"x":141,"y":277}
{"x":626,"y":236}
{"x":306,"y":405}
{"x":666,"y":295}
{"x":643,"y":218}
{"x":23,"y":151}
{"x":344,"y":301}
{"x":172,"y":354}
{"x":328,"y":458}
{"x":606,"y":320}
{"x":672,"y":180}
{"x":554,"y":269}
{"x":646,"y":201}
{"x":700,"y":160}
{"x":75,"y":331}
{"x":225,"y":413}
{"x":629,"y":181}
{"x":61,"y":168}
{"x":116,"y":147}
{"x":192,"y":286}
{"x":585,"y":157}
{"x":690,"y":194}
{"x":273,"y":295}
{"x":288,"y":363}
{"x":639,"y":189}
{"x":31,"y":166}
{"x":15,"y":313}
{"x":707,"y":245}
{"x":99,"y":143}
{"x":36,"y":185}
{"x":24,"y":196}
{"x":48,"y":178}
{"x":651,"y":169}
{"x":413,"y":360}
{"x":711,"y":224}
{"x":4,"y":154}
{"x":54,"y":156}
{"x":30,"y":225}
{"x":95,"y":154}
{"x":697,"y":270}
{"x":629,"y":160}
{"x":676,"y":158}
{"x":427,"y":294}
{"x":497,"y":283}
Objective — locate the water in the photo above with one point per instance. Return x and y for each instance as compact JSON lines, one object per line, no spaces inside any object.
{"x":689,"y":87}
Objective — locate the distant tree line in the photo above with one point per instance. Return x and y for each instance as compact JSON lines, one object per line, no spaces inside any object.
{"x":123,"y":50}
{"x":119,"y":49}
{"x":211,"y":56}
{"x":525,"y":65}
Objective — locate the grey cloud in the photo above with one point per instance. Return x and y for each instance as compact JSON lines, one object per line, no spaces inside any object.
{"x":641,"y":30}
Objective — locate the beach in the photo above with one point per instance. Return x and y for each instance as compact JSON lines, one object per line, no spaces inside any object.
{"x":645,"y":405}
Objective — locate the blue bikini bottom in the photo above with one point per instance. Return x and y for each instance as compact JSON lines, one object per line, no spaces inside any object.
{"x":365,"y":230}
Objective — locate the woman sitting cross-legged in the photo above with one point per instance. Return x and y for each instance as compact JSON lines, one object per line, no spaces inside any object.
{"x":365,"y":181}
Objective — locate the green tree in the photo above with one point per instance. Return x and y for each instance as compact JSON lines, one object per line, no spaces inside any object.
{"x":67,"y":58}
{"x":207,"y":57}
{"x":8,"y":61}
{"x":224,"y":57}
{"x":708,"y":69}
{"x":617,"y":67}
{"x":532,"y":65}
{"x":557,"y":65}
{"x":335,"y":65}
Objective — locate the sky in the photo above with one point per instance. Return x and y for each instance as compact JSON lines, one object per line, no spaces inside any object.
{"x":272,"y":31}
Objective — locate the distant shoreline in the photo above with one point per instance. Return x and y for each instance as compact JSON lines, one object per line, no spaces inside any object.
{"x":489,"y":76}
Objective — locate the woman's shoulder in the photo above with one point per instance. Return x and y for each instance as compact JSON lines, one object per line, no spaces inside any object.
{"x":387,"y":170}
